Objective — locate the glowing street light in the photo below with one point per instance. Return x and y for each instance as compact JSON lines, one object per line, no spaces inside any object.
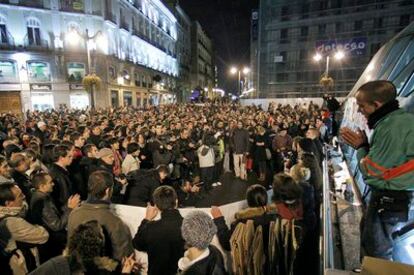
{"x":235,"y":70}
{"x":339,"y":55}
{"x":74,"y":36}
{"x":317,"y":57}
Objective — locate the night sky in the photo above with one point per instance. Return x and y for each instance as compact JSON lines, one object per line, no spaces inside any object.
{"x":227,"y":22}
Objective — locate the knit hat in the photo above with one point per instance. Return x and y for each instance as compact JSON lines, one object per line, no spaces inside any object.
{"x":198,"y":229}
{"x":104,"y":152}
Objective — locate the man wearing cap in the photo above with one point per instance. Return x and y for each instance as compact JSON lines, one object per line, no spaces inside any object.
{"x":105,"y":161}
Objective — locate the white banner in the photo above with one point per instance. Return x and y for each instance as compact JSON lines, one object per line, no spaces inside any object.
{"x":133,"y":215}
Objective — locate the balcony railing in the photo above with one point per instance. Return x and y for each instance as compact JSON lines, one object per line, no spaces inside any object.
{"x":41,"y":44}
{"x":124,"y":25}
{"x":32,"y":3}
{"x":8,"y":42}
{"x":109,"y":16}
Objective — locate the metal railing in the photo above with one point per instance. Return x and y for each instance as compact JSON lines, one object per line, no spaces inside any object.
{"x":328,"y":237}
{"x":109,"y":16}
{"x":8,"y":42}
{"x":36,"y":44}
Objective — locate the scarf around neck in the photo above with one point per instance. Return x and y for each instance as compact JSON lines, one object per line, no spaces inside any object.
{"x":384,"y":110}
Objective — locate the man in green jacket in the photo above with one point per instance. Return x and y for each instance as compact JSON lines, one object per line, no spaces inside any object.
{"x":387,"y":164}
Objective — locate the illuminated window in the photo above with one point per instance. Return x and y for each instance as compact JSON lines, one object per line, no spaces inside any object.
{"x":33,"y":32}
{"x":76,"y":71}
{"x":8,"y":71}
{"x":38,"y":71}
{"x":3,"y":31}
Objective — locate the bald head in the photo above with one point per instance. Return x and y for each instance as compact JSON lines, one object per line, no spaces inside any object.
{"x":373,"y":95}
{"x":381,"y":91}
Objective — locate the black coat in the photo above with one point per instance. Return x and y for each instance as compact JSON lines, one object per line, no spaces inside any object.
{"x":63,"y":188}
{"x":213,"y":264}
{"x":43,"y":211}
{"x":85,"y":166}
{"x":141,"y":185}
{"x":162,"y":241}
{"x":75,"y":175}
{"x":22,"y":180}
{"x":260,"y":151}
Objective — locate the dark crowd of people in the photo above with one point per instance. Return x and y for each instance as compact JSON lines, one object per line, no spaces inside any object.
{"x":60,"y":171}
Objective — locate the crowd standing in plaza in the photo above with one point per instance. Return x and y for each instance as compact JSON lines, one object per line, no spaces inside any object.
{"x":60,"y":171}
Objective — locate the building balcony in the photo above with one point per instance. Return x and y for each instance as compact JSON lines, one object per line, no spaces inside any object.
{"x":71,"y":9}
{"x":124,"y":25}
{"x":41,"y":44}
{"x":7,"y":42}
{"x":109,"y":16}
{"x":31,"y":3}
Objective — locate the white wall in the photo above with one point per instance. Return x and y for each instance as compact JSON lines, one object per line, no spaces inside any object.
{"x":284,"y":101}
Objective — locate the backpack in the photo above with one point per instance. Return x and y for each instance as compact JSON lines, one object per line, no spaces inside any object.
{"x":286,"y":234}
{"x":247,"y":249}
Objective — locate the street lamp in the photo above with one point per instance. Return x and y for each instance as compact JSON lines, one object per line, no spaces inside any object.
{"x":74,"y":36}
{"x":234,"y":70}
{"x":338,"y":56}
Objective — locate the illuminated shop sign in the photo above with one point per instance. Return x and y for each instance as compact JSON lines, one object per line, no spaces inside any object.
{"x":353,"y":46}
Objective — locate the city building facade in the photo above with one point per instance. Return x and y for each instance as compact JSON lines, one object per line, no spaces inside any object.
{"x":291,"y":32}
{"x":183,"y":49}
{"x":131,"y":47}
{"x":202,"y":52}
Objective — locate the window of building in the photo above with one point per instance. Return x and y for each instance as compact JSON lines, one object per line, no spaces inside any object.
{"x":138,"y":99}
{"x":38,"y":71}
{"x":282,"y":77}
{"x":378,"y":23}
{"x":33,"y":32}
{"x":338,"y":27}
{"x":305,"y":10}
{"x":321,"y":29}
{"x":8,"y":71}
{"x":72,"y":6}
{"x":283,"y":56}
{"x":358,"y":25}
{"x":42,"y":101}
{"x":404,"y":20}
{"x":79,"y":100}
{"x":126,"y":77}
{"x":304,"y":31}
{"x":302,"y":55}
{"x":114,"y":98}
{"x":127,"y":98}
{"x":137,"y":80}
{"x":76,"y":71}
{"x":112,"y":72}
{"x":283,"y":34}
{"x":3,"y":31}
{"x":144,"y":81}
{"x":284,"y":13}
